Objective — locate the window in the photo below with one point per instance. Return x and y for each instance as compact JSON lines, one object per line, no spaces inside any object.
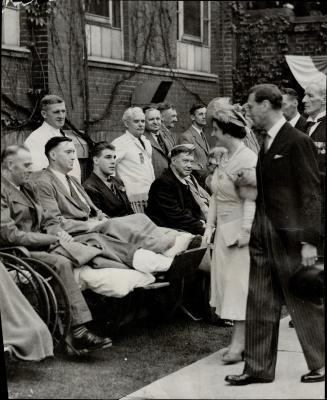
{"x":193,"y":36}
{"x":107,"y":11}
{"x":104,"y":28}
{"x":10,"y":26}
{"x":193,"y":21}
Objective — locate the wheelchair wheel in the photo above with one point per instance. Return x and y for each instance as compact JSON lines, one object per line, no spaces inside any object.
{"x":29,"y":284}
{"x":60,"y":312}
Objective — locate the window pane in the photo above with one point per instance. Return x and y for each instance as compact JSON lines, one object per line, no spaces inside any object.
{"x":206,"y":33}
{"x":192,"y":18}
{"x":205,"y":10}
{"x":116,"y":20}
{"x":97,"y":7}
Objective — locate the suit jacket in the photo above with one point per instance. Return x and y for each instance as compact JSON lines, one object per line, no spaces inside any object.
{"x":112,"y":204}
{"x":160,"y":159}
{"x":319,"y":138}
{"x":202,"y":148}
{"x":58,"y":202}
{"x":170,"y":137}
{"x":301,"y":124}
{"x":289,"y":185}
{"x":167,"y":205}
{"x":22,"y":218}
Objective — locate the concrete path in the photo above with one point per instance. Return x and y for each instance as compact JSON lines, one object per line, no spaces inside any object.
{"x":204,"y":379}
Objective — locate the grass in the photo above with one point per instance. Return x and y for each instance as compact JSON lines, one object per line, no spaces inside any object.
{"x":140,"y":355}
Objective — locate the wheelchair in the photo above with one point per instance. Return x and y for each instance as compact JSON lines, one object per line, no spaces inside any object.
{"x":42,"y":287}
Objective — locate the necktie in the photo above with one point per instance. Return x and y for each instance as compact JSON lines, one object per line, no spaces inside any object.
{"x":76,"y":197}
{"x":161,"y":143}
{"x":111,"y":186}
{"x":266,"y":143}
{"x":141,"y":141}
{"x":308,"y":126}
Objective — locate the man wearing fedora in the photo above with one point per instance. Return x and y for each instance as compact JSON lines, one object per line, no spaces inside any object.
{"x":284,"y":239}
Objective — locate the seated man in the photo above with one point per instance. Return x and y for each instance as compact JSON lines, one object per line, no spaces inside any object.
{"x":105,"y":189}
{"x":176,"y":200}
{"x":22,"y":224}
{"x":132,"y":241}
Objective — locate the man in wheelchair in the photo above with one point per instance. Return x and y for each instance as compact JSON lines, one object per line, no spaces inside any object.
{"x":22,"y":222}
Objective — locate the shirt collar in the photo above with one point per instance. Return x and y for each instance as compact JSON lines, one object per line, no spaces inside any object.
{"x":134,"y":137}
{"x":320,"y":115}
{"x":272,"y":133}
{"x":294,"y":120}
{"x":197,"y":129}
{"x":51,"y":129}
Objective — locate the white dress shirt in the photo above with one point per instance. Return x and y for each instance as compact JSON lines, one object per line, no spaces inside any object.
{"x":316,"y":122}
{"x":134,"y":165}
{"x":36,"y":142}
{"x":294,"y":120}
{"x":272,"y":133}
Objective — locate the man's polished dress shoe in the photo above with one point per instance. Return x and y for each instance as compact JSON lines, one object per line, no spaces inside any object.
{"x":316,"y":375}
{"x":245,"y":379}
{"x":89,"y":341}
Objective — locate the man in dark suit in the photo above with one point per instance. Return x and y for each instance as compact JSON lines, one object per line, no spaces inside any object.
{"x":176,"y":200}
{"x":22,"y":224}
{"x":284,"y":235}
{"x":160,"y":141}
{"x":196,"y":136}
{"x":169,"y":118}
{"x":105,"y":189}
{"x":290,"y":109}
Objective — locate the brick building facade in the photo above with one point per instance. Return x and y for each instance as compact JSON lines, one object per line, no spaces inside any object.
{"x":138,"y":52}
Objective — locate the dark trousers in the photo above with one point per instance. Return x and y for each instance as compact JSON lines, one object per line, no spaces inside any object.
{"x":64,"y":268}
{"x":274,"y":259}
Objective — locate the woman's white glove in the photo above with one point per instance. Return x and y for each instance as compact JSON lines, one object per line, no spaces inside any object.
{"x":243,"y":238}
{"x":208,"y":234}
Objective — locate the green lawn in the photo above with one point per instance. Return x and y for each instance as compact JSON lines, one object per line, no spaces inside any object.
{"x":140,"y":355}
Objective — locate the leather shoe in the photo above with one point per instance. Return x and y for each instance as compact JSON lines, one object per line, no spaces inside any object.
{"x":232,"y":358}
{"x":316,"y":375}
{"x":89,"y":341}
{"x":245,"y":379}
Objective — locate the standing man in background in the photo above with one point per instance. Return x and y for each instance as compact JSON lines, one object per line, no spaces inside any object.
{"x":290,"y":109}
{"x":168,"y":121}
{"x":134,"y":159}
{"x":53,"y":110}
{"x":195,"y":135}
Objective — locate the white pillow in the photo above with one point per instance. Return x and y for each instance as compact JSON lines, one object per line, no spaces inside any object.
{"x":111,"y":282}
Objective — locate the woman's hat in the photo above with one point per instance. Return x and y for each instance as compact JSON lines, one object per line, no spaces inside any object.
{"x":221,"y":109}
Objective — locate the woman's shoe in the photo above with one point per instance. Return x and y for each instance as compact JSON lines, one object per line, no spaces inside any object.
{"x":233,"y":358}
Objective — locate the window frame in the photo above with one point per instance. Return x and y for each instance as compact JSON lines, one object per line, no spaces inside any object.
{"x":17,"y":9}
{"x":108,"y":21}
{"x":190,"y":38}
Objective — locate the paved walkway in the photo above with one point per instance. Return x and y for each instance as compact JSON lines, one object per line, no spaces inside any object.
{"x":205,"y":378}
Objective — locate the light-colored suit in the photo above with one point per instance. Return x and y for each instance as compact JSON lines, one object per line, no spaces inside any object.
{"x":21,"y":224}
{"x":36,"y":142}
{"x":134,"y":165}
{"x":202,"y":149}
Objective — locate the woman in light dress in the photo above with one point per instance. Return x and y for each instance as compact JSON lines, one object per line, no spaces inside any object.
{"x":231,"y":212}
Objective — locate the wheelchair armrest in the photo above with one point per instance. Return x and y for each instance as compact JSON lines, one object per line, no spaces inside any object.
{"x":16,"y":250}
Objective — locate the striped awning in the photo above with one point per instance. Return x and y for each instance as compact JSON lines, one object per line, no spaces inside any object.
{"x":307,"y":68}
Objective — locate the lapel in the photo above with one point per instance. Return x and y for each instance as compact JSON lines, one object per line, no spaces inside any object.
{"x":154,"y":143}
{"x":281,"y":140}
{"x":202,"y":143}
{"x":107,"y":193}
{"x":61,"y":188}
{"x":167,"y":139}
{"x":26,"y":199}
{"x":178,"y":185}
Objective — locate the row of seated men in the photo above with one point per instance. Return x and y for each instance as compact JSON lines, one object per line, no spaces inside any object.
{"x":50,"y":213}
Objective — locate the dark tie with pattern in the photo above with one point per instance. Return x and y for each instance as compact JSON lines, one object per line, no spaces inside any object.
{"x":75,"y":195}
{"x":111,"y":185}
{"x":161,"y":143}
{"x":141,"y":141}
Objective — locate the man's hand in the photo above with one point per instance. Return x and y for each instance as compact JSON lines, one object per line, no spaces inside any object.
{"x":101,"y":215}
{"x":65,"y":237}
{"x":309,"y":254}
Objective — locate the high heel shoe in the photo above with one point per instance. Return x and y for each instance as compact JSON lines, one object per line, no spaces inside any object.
{"x":233,"y":358}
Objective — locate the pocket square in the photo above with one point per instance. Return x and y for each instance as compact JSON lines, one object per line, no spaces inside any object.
{"x":276,"y":156}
